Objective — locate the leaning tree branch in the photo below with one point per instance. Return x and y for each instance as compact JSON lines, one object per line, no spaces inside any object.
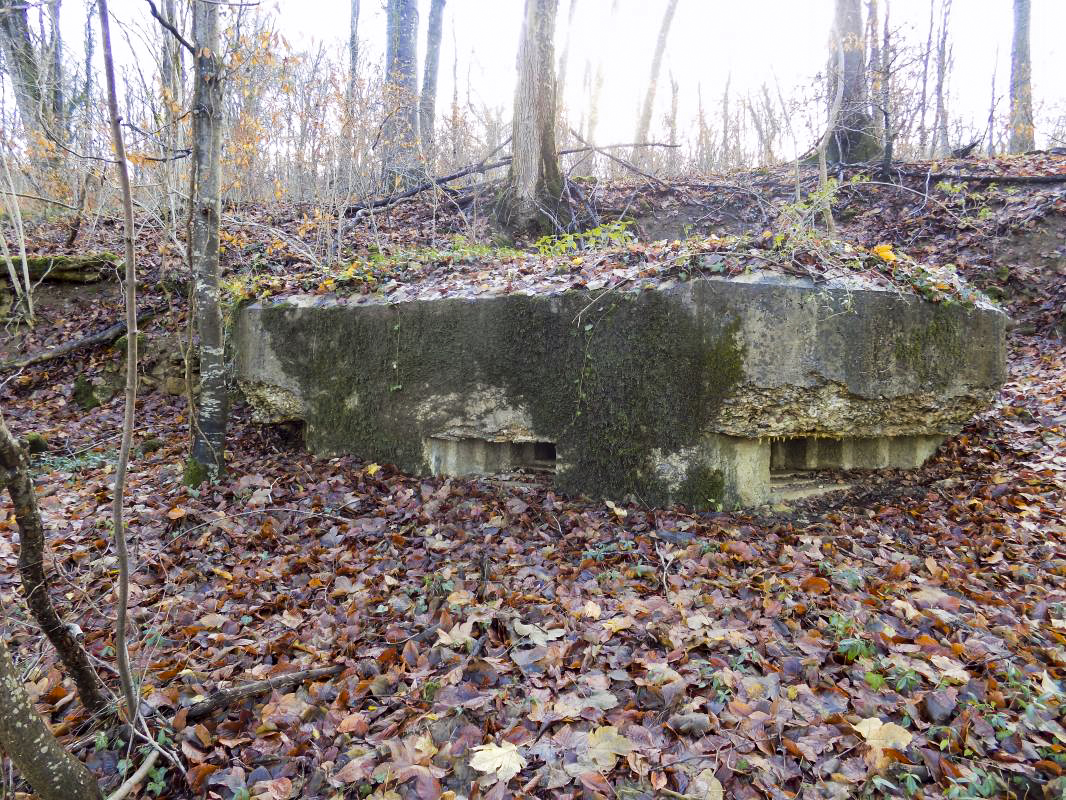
{"x":621,"y":162}
{"x":174,"y":31}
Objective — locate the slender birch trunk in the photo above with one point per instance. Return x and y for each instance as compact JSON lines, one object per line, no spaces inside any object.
{"x":353,"y":53}
{"x":1021,"y":89}
{"x":122,"y":590}
{"x":207,"y":459}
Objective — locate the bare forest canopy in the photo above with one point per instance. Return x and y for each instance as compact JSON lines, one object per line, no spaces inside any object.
{"x":298,"y":127}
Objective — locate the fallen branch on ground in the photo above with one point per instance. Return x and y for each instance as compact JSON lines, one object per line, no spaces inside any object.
{"x":106,"y":336}
{"x":949,"y":176}
{"x":481,"y":166}
{"x":224,"y":697}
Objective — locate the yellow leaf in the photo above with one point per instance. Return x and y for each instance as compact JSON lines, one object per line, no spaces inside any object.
{"x":706,"y":786}
{"x":615,"y":624}
{"x":882,"y":736}
{"x":590,"y":610}
{"x":373,"y":469}
{"x":605,"y":745}
{"x":503,"y":760}
{"x":884,"y":252}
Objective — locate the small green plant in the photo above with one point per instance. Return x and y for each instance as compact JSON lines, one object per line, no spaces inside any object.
{"x":875,"y":680}
{"x":722,"y":691}
{"x":840,"y":626}
{"x":609,"y":234}
{"x":980,"y":783}
{"x":905,"y":680}
{"x":854,"y":647}
{"x":77,"y":462}
{"x":157,"y":780}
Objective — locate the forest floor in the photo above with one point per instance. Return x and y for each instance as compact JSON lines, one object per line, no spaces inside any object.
{"x":904,"y":638}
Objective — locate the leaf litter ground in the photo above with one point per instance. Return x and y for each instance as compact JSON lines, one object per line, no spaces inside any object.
{"x":499,"y":640}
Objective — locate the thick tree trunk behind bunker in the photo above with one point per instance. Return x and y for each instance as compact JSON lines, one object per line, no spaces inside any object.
{"x":853,"y":138}
{"x":531,"y":200}
{"x":1021,"y":89}
{"x":400,"y":165}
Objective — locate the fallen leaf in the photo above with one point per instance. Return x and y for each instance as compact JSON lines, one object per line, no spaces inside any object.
{"x":502,"y":760}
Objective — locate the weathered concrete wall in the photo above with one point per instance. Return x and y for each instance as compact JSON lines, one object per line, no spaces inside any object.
{"x":670,"y":394}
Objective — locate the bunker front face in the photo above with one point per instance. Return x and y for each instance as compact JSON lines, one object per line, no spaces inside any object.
{"x":688,"y":393}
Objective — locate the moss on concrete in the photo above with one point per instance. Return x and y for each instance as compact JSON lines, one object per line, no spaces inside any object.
{"x":703,"y":488}
{"x":607,"y":381}
{"x":931,"y":350}
{"x":36,"y":443}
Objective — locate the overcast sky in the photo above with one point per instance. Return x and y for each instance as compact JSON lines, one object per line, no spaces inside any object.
{"x":780,"y":42}
{"x":753,"y":41}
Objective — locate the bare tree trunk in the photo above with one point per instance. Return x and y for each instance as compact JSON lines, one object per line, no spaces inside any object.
{"x":1022,"y":136}
{"x":52,"y":772}
{"x":674,"y":96}
{"x":644,"y":122}
{"x":823,"y":145}
{"x":564,"y":57}
{"x":923,"y":131}
{"x":726,"y":149}
{"x":55,"y":71}
{"x":21,"y":61}
{"x":119,"y":490}
{"x":171,"y":77}
{"x":34,"y":578}
{"x":531,"y":199}
{"x":992,"y":110}
{"x":887,"y":59}
{"x":400,"y":166}
{"x":939,"y":143}
{"x":353,"y":53}
{"x":207,"y":459}
{"x":427,"y":107}
{"x":852,"y":139}
{"x":876,"y":67}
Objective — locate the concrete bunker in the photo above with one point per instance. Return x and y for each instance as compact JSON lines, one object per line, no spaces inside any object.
{"x":696,"y":392}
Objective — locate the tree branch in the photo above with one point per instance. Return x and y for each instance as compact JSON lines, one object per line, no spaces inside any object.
{"x":174,"y":31}
{"x":106,"y":336}
{"x":224,"y":697}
